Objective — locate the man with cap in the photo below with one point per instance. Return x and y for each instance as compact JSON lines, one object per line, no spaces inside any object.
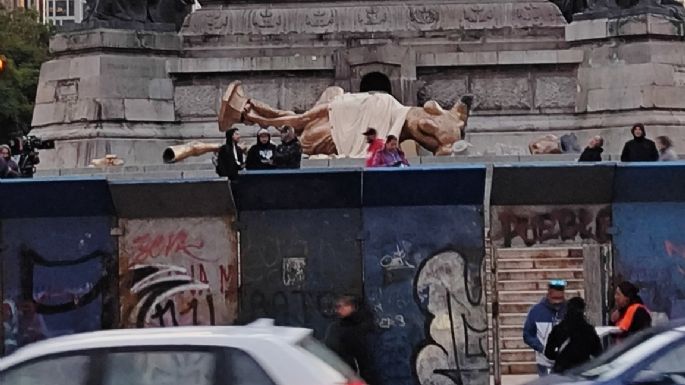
{"x":375,"y":145}
{"x":540,"y":321}
{"x":261,"y":155}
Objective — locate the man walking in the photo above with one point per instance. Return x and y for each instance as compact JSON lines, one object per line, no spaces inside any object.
{"x":540,"y":321}
{"x":639,"y":149}
{"x":348,"y":336}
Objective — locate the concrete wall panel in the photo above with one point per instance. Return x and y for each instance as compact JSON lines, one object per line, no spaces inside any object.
{"x":180,"y":271}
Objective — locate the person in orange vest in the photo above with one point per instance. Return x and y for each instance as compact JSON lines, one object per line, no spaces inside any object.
{"x":630,"y":315}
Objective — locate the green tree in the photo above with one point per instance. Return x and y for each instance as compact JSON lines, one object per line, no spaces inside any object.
{"x":24,"y":42}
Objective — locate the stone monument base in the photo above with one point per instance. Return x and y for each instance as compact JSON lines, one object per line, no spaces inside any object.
{"x":108,"y":92}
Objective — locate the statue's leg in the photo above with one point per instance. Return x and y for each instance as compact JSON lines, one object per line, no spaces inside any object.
{"x":266,"y":110}
{"x":297,"y":121}
{"x":317,"y":138}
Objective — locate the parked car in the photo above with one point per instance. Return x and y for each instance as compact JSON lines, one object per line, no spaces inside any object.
{"x":256,"y":354}
{"x":653,"y":357}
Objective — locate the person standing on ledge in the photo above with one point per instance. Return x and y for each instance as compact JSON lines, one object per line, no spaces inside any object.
{"x":639,"y":149}
{"x":375,"y":145}
{"x":666,"y":152}
{"x":593,"y":151}
{"x":391,"y":155}
{"x":230,"y":158}
{"x":288,"y":154}
{"x":261,"y":155}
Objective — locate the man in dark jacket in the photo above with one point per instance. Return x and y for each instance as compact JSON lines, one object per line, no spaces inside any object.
{"x":348,"y":337}
{"x":261,"y":155}
{"x":593,"y":151}
{"x":289,"y":153}
{"x":230,"y":160}
{"x":639,"y":149}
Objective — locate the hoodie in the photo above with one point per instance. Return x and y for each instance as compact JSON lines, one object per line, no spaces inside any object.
{"x":230,"y":158}
{"x":539,"y":323}
{"x":591,"y":154}
{"x":261,"y":155}
{"x":640,"y":149}
{"x":349,"y":338}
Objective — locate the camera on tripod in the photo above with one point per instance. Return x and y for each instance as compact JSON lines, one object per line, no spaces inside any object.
{"x":27,"y":147}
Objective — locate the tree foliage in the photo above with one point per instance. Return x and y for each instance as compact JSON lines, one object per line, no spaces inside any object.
{"x":24,"y":42}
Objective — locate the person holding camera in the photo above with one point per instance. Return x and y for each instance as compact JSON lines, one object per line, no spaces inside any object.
{"x":391,"y":155}
{"x":8,"y":167}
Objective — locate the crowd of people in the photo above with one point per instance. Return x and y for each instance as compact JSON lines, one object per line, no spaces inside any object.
{"x":563,"y":338}
{"x":264,"y":155}
{"x":232,"y":157}
{"x":638,"y":149}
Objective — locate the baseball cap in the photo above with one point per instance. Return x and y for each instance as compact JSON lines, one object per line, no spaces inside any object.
{"x":370,"y":131}
{"x":557,"y":284}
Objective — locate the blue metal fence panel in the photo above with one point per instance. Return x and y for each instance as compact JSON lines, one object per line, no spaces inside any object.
{"x":422,"y":278}
{"x":456,"y":185}
{"x":650,"y":182}
{"x":649,"y":246}
{"x":58,"y":276}
{"x":295,"y":263}
{"x":302,"y":189}
{"x":55,"y":198}
{"x":552,"y":184}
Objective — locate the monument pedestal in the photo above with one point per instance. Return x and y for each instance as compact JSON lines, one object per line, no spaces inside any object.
{"x":632,"y":67}
{"x":108,"y":92}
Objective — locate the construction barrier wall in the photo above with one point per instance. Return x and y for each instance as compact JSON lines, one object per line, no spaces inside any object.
{"x":87,"y":254}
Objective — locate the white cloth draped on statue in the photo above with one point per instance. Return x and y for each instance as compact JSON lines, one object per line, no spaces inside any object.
{"x":352,"y":114}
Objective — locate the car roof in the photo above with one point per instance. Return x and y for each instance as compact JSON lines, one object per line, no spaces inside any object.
{"x":183,"y":335}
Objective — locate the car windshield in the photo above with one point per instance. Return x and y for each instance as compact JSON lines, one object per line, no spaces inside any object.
{"x":316,"y":348}
{"x":625,"y":355}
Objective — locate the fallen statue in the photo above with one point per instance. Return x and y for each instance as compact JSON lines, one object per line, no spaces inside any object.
{"x":335,"y":124}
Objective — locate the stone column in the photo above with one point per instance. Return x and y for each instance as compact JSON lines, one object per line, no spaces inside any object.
{"x":631,"y":71}
{"x":107,"y":92}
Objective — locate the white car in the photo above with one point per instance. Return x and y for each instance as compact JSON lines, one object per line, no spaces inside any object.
{"x":256,"y":354}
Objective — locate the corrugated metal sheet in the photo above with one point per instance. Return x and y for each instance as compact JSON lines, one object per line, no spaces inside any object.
{"x":180,"y":271}
{"x":295,"y":263}
{"x":552,"y":184}
{"x":423,"y":281}
{"x":650,"y":251}
{"x":58,"y":276}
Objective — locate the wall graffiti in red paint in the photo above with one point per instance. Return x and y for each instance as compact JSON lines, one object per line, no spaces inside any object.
{"x":149,"y":246}
{"x":178,"y":272}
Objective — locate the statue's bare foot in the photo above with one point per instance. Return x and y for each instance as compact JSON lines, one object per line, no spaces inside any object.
{"x":232,"y":106}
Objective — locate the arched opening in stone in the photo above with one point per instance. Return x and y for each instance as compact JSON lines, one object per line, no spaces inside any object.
{"x":375,"y":81}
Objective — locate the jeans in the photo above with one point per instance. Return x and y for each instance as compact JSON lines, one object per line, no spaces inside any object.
{"x":543,"y":370}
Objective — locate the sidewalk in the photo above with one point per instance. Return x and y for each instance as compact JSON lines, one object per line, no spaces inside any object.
{"x":515,"y":380}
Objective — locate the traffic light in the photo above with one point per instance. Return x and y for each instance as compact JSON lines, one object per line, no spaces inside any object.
{"x":3,"y":64}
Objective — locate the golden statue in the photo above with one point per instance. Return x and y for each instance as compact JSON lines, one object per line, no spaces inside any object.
{"x":335,"y":124}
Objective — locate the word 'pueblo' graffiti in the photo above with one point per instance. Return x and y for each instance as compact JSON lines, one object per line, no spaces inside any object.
{"x":559,"y":224}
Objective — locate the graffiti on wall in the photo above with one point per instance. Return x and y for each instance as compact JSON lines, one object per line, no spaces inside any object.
{"x":55,"y":278}
{"x":25,"y":314}
{"x":518,"y":226}
{"x":178,"y":272}
{"x":296,"y":263}
{"x":455,"y":351}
